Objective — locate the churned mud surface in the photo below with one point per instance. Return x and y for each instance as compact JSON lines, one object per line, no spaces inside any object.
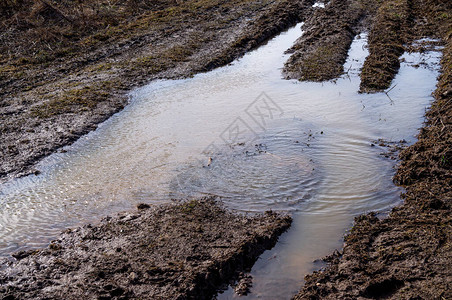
{"x":407,"y":255}
{"x":393,"y":25}
{"x":388,"y":35}
{"x":66,"y":66}
{"x":179,"y":251}
{"x":322,"y":50}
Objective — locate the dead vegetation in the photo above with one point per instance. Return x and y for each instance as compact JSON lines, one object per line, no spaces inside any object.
{"x":49,"y":29}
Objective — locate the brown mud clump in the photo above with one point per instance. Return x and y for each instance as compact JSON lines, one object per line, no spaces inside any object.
{"x":181,"y":251}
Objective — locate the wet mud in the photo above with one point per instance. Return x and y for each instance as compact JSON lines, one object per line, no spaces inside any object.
{"x":321,"y":52}
{"x":387,"y":37}
{"x":188,"y":250}
{"x":407,"y":255}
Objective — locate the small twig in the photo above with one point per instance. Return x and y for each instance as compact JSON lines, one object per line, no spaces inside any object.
{"x":391,"y":89}
{"x":390,"y":99}
{"x":387,"y":93}
{"x":444,"y":126}
{"x":349,"y":68}
{"x":347,"y":75}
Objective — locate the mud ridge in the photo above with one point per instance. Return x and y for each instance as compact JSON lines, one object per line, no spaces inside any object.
{"x":388,"y":35}
{"x":180,"y":251}
{"x":286,"y":14}
{"x":321,"y":52}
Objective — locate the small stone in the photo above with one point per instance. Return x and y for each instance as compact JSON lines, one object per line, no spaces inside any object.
{"x":133,"y":277}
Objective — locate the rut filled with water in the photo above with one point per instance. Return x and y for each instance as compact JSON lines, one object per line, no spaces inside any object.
{"x":243,"y":133}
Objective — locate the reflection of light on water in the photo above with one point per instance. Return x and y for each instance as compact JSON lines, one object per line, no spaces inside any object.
{"x":319,"y":4}
{"x":317,"y":162}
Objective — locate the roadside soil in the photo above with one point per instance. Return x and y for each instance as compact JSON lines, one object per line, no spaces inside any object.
{"x":67,"y":66}
{"x":180,"y":251}
{"x":407,"y":255}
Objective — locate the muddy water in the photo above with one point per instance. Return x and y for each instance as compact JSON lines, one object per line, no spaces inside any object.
{"x":242,"y":133}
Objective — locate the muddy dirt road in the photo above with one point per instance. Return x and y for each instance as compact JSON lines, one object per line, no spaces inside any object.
{"x":77,"y":73}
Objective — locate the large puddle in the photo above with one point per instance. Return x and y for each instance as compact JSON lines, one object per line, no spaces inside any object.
{"x":245,"y":134}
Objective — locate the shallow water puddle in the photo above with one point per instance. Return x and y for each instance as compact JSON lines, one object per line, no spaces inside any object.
{"x":243,"y":133}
